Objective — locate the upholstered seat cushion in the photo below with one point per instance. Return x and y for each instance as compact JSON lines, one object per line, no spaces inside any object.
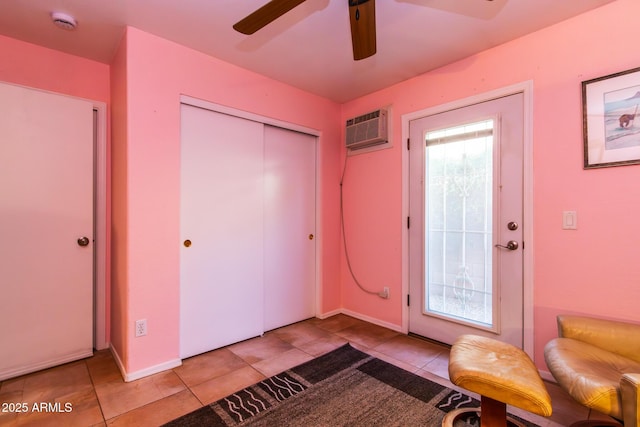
{"x":588,"y":373}
{"x":499,"y":371}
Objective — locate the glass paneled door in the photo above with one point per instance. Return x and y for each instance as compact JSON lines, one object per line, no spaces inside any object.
{"x":466,"y":222}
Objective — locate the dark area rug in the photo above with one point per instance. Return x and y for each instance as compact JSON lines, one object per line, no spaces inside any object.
{"x":345,"y":387}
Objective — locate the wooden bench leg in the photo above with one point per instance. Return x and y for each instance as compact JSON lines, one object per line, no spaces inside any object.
{"x":493,"y":413}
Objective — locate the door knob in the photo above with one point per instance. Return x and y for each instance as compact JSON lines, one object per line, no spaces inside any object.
{"x":83,"y":241}
{"x":512,"y":245}
{"x":310,"y":236}
{"x":187,"y":243}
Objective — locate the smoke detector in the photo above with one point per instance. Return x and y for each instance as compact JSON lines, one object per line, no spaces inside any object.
{"x":64,"y":21}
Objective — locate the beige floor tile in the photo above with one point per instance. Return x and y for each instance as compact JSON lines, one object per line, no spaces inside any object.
{"x":414,"y":351}
{"x":62,"y":395}
{"x":439,"y":366}
{"x":322,"y":345}
{"x":257,"y":349}
{"x":11,"y":394}
{"x":204,"y":367}
{"x":217,"y":388}
{"x":301,"y":333}
{"x":367,"y":334}
{"x":53,"y":383}
{"x":102,"y":367}
{"x":287,"y":360}
{"x":337,"y":323}
{"x":12,"y":385}
{"x":118,"y":397}
{"x":76,"y":409}
{"x":159,"y":412}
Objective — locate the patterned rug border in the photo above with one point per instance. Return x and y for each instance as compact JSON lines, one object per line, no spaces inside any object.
{"x":254,"y":404}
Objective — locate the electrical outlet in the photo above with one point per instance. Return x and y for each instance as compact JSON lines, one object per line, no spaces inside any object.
{"x":141,"y":327}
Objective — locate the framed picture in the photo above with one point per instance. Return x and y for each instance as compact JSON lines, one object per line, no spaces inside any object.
{"x":611,"y":120}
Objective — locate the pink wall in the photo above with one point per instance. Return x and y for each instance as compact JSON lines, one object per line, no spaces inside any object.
{"x":119,"y":183}
{"x":148,"y":198}
{"x":38,"y":67}
{"x":593,"y":270}
{"x":373,"y":226}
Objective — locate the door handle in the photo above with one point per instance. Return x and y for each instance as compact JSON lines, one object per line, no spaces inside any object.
{"x":83,"y":241}
{"x":512,"y":245}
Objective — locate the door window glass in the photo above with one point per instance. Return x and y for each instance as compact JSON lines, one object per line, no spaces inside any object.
{"x":459,"y":223}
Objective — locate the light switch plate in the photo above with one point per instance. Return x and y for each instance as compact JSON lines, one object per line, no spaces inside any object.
{"x":569,"y":220}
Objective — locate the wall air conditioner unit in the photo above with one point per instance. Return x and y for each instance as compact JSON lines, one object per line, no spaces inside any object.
{"x":368,"y":130}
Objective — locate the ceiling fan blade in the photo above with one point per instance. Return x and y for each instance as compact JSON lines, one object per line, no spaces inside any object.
{"x":362,"y":15}
{"x":265,"y":15}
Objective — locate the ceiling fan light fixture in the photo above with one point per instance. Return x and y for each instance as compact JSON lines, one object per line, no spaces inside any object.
{"x":64,"y":21}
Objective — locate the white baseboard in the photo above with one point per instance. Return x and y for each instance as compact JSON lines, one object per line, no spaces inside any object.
{"x":118,"y":361}
{"x":132,"y":376}
{"x":373,"y":320}
{"x":329,"y":314}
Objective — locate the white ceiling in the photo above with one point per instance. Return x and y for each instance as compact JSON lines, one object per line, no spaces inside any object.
{"x":309,"y":47}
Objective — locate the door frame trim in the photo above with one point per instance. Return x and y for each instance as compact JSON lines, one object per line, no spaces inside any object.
{"x":526,"y":88}
{"x":100,"y":338}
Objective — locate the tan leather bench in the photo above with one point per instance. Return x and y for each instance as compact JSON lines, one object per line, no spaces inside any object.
{"x":501,"y":374}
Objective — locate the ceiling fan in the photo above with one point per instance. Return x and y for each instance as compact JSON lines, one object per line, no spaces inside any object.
{"x":362,"y":16}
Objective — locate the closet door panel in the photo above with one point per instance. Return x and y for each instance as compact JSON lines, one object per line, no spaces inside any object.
{"x":289,"y":219}
{"x":221,"y":271}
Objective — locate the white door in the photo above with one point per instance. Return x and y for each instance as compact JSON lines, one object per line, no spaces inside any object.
{"x":221,"y":221}
{"x":289,"y":226}
{"x":466,"y":209}
{"x":46,"y":230}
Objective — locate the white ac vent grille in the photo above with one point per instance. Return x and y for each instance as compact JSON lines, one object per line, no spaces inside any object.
{"x":367,"y":130}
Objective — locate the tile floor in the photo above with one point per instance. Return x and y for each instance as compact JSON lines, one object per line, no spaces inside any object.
{"x":91,"y":392}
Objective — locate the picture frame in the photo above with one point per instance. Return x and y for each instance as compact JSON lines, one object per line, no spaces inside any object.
{"x":611,"y":120}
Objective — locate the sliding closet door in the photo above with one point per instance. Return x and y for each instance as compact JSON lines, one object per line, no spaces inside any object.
{"x":289,"y":225}
{"x":221,"y":263}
